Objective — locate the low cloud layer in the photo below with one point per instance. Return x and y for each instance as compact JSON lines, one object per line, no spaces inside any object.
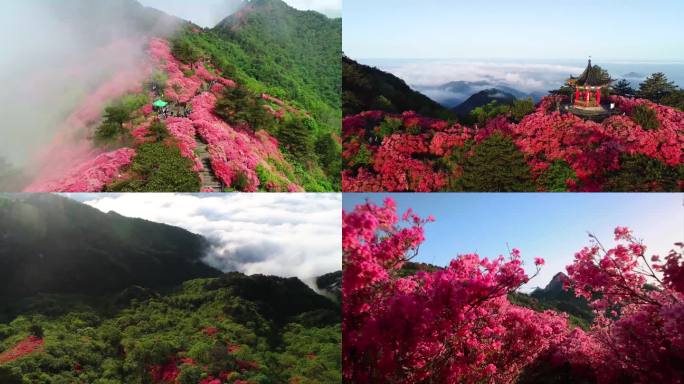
{"x":274,"y":234}
{"x":525,"y":77}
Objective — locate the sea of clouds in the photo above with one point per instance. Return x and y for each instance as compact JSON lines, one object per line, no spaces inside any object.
{"x":274,"y":234}
{"x":525,"y":77}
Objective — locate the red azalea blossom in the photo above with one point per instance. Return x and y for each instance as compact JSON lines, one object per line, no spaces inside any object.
{"x":451,"y":325}
{"x":411,"y":158}
{"x":455,"y":324}
{"x":25,"y":347}
{"x":644,"y":340}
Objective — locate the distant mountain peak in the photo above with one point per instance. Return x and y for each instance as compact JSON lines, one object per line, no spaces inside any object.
{"x":483,"y":98}
{"x":556,"y":282}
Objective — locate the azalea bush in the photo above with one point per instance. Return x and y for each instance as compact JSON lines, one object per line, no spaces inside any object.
{"x":91,"y":176}
{"x":454,"y":324}
{"x":423,"y":154}
{"x":638,"y":334}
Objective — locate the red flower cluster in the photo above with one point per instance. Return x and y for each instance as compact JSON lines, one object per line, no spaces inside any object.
{"x":451,"y":325}
{"x":235,"y":152}
{"x":169,"y":372}
{"x":639,"y":329}
{"x":455,"y":324}
{"x":412,"y":157}
{"x":25,"y":347}
{"x":57,"y":167}
{"x":90,"y":176}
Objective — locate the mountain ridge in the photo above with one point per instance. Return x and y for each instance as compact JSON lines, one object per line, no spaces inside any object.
{"x":369,"y":88}
{"x":52,"y":244}
{"x":482,"y":98}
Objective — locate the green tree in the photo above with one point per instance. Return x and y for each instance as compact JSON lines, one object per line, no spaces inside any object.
{"x":555,"y":178}
{"x":158,"y":131}
{"x":674,"y":99}
{"x":117,"y":114}
{"x":481,"y":115}
{"x":184,"y":50}
{"x":496,"y":165}
{"x":521,"y":108}
{"x":623,"y":88}
{"x":10,"y":375}
{"x":656,"y":87}
{"x":646,"y":117}
{"x":36,"y":330}
{"x":329,"y":153}
{"x":239,"y":106}
{"x":114,"y":118}
{"x":602,"y":74}
{"x":640,"y":173}
{"x":296,"y":136}
{"x":158,"y":80}
{"x":564,"y":90}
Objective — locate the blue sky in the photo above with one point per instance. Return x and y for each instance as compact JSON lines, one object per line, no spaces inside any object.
{"x":552,"y":226}
{"x":532,"y":29}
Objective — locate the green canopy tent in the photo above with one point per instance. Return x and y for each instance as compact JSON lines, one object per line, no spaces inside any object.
{"x":160,"y":104}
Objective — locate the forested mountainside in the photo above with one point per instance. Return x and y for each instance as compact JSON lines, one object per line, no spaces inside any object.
{"x":230,"y":329}
{"x":51,"y":244}
{"x":93,"y":297}
{"x":366,"y":88}
{"x":250,"y":105}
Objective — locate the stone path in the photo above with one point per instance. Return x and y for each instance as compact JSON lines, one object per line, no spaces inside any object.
{"x":209,"y":179}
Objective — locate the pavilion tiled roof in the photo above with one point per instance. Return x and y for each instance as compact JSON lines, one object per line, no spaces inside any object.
{"x":592,"y":76}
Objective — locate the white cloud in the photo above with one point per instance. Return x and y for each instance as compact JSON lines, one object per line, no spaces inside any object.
{"x":526,"y":77}
{"x":274,"y":234}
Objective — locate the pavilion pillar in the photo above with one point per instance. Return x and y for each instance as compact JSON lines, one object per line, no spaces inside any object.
{"x":598,"y":97}
{"x":577,"y":95}
{"x":588,"y":95}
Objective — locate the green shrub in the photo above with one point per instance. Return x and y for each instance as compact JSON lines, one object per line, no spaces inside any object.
{"x":554,"y":178}
{"x":329,"y":153}
{"x":496,"y":165}
{"x":158,"y":167}
{"x":389,"y":126}
{"x":116,"y":115}
{"x":521,"y":108}
{"x":184,"y":50}
{"x":158,"y":131}
{"x":641,"y":173}
{"x":240,"y":106}
{"x":646,"y":117}
{"x":296,"y":136}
